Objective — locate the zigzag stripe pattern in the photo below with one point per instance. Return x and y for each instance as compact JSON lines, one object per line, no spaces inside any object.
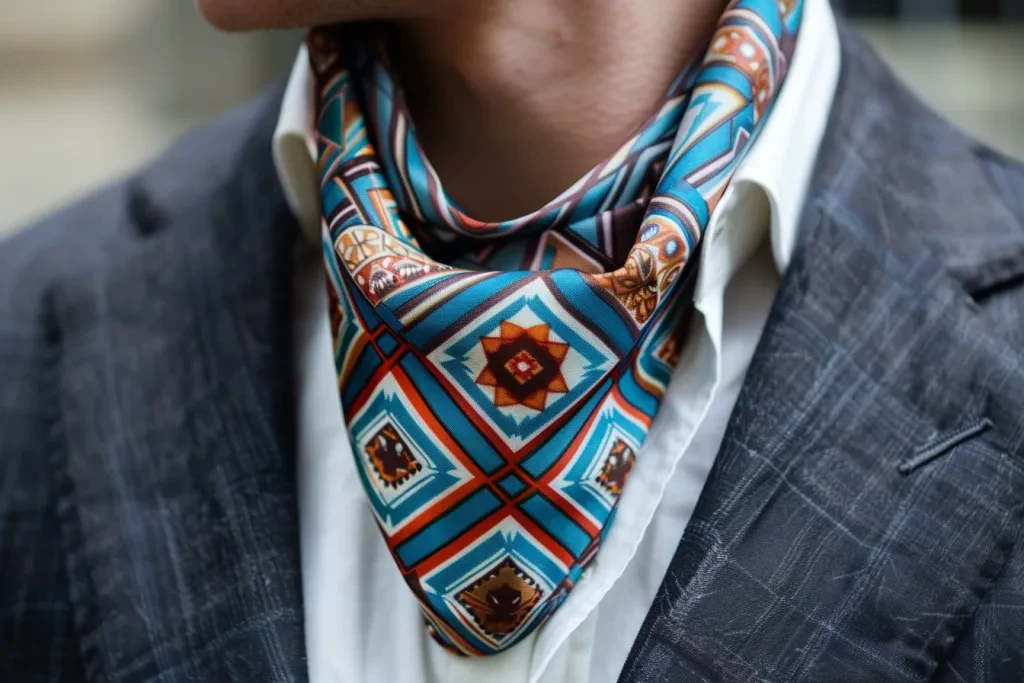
{"x":497,"y":398}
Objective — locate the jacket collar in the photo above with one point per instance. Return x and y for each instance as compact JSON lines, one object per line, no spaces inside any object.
{"x":176,"y":445}
{"x":866,"y":493}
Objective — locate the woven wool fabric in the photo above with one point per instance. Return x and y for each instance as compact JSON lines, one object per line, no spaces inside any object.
{"x":497,"y":400}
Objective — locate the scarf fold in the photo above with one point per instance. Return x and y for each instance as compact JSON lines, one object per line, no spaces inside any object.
{"x":497,"y":400}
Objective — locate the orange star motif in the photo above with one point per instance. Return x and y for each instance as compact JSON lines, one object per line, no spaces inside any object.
{"x":523,"y":365}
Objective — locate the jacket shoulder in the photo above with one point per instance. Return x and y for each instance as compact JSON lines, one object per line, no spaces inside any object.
{"x":69,"y":240}
{"x":890,"y":161}
{"x":110,"y":225}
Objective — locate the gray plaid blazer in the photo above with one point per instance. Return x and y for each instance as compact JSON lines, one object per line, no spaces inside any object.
{"x":863,"y":521}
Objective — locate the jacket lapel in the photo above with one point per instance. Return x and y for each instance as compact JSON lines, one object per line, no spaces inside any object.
{"x":176,"y":449}
{"x":869,"y":486}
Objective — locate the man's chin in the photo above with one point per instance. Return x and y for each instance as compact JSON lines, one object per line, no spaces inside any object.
{"x":252,"y":15}
{"x":247,"y":15}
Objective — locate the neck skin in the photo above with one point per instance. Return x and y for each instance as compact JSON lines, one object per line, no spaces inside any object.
{"x":514,"y":100}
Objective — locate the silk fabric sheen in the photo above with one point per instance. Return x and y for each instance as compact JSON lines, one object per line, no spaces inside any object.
{"x":498,"y":378}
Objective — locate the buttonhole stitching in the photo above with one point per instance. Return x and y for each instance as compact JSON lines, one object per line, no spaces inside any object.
{"x":942,"y":445}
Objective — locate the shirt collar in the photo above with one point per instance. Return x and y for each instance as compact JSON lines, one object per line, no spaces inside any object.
{"x":294,"y":148}
{"x":770,"y":184}
{"x":777,"y":167}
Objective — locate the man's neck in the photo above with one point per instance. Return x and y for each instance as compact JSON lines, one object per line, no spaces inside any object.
{"x":514,"y":100}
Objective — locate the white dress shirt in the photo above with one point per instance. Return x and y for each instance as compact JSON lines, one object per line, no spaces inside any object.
{"x":363,"y":624}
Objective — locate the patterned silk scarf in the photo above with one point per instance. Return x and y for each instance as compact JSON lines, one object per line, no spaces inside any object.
{"x":498,"y":379}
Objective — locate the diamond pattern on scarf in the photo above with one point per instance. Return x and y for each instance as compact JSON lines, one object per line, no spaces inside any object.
{"x":497,"y":398}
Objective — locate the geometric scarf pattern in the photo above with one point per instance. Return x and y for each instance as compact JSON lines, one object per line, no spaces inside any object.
{"x":498,"y":378}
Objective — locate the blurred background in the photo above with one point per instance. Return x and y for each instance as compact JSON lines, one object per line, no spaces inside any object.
{"x":90,"y":89}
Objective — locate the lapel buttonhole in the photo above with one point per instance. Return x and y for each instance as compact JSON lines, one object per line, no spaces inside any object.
{"x":942,"y":444}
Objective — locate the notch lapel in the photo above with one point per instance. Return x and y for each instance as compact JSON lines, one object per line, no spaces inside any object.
{"x":869,"y":486}
{"x":176,"y":452}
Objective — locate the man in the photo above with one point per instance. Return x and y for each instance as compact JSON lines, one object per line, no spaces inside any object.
{"x":325,"y":395}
